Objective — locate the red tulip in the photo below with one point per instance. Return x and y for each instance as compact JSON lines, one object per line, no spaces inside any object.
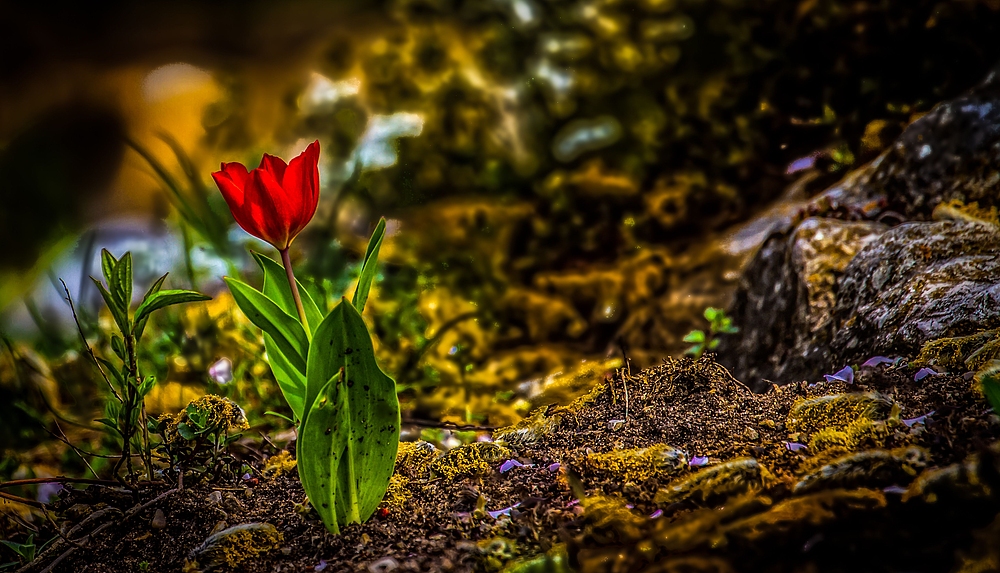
{"x":274,"y":201}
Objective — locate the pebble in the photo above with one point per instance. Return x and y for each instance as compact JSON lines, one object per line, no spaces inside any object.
{"x":159,"y":520}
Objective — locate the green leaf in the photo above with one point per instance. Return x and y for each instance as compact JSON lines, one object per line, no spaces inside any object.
{"x":140,"y":325}
{"x":291,"y":381}
{"x":109,"y":423}
{"x":118,"y":346}
{"x":989,"y":381}
{"x":121,"y":288}
{"x":121,"y":318}
{"x":694,"y":336}
{"x":713,"y":344}
{"x":185,"y":431}
{"x":350,"y":433}
{"x":165,"y":298}
{"x":369,"y":266}
{"x":108,"y":264}
{"x":147,"y":384}
{"x":287,"y":332}
{"x":712,"y":313}
{"x":277,"y":289}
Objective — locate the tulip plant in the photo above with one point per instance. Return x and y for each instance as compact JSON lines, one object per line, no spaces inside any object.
{"x":324,"y":363}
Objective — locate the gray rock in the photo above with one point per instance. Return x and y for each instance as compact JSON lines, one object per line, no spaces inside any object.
{"x":802,"y":304}
{"x":785,"y":302}
{"x":916,"y":283}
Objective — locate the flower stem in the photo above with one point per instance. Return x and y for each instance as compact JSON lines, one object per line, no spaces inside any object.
{"x":287,"y":261}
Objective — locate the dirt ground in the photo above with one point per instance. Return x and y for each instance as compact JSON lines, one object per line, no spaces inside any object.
{"x":679,"y":467}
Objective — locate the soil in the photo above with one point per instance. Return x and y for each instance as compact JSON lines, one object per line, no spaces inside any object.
{"x":697,"y":430}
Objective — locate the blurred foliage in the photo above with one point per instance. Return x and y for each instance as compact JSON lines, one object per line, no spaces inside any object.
{"x":567,"y":152}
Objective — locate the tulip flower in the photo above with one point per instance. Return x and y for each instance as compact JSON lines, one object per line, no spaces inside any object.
{"x":274,"y":202}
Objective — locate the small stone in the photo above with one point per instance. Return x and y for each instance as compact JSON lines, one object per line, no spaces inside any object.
{"x":751,"y":434}
{"x":214,"y":498}
{"x":383,"y":565}
{"x":159,"y":520}
{"x":615,"y":425}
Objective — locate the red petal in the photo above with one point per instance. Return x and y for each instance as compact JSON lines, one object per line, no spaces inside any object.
{"x":301,"y":185}
{"x":273,"y":165}
{"x":231,"y":180}
{"x":270,"y":208}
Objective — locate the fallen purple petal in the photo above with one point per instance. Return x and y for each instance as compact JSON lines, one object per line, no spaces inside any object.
{"x":572,"y":503}
{"x":801,"y":164}
{"x":876,"y":361}
{"x":923,"y":373}
{"x":918,"y":420}
{"x":554,"y":467}
{"x":47,"y":491}
{"x":795,"y":446}
{"x":221,"y":371}
{"x":322,"y":565}
{"x":845,"y":374}
{"x":509,"y":465}
{"x":895,"y":489}
{"x":698,"y":461}
{"x":504,"y":511}
{"x":656,"y":514}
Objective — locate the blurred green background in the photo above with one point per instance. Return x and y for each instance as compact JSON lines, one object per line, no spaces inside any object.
{"x":568,"y":183}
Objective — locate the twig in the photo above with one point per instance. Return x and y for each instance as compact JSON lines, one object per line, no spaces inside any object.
{"x":86,"y":344}
{"x":449,"y":425}
{"x":21,"y":500}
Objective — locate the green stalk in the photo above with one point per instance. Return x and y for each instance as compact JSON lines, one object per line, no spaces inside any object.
{"x":287,"y":261}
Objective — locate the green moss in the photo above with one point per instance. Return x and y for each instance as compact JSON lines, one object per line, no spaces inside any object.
{"x":231,"y":547}
{"x":961,"y":353}
{"x":413,"y":459}
{"x":716,"y":483}
{"x":639,"y":464}
{"x":528,"y":430}
{"x":496,"y":552}
{"x":870,"y":468}
{"x":278,"y":465}
{"x":470,"y":460}
{"x":397,"y":494}
{"x":838,"y":411}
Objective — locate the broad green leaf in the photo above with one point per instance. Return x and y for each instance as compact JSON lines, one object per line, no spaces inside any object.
{"x":108,"y":264}
{"x":165,"y":298}
{"x":368,"y":267}
{"x":276,"y":288}
{"x":121,"y":319}
{"x":122,"y":285}
{"x":350,"y":433}
{"x":289,"y":337}
{"x":290,"y":380}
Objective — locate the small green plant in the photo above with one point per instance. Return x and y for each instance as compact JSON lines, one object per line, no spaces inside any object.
{"x":198,"y":438}
{"x":718,"y":323}
{"x":989,"y":382}
{"x":25,"y":551}
{"x":125,"y":412}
